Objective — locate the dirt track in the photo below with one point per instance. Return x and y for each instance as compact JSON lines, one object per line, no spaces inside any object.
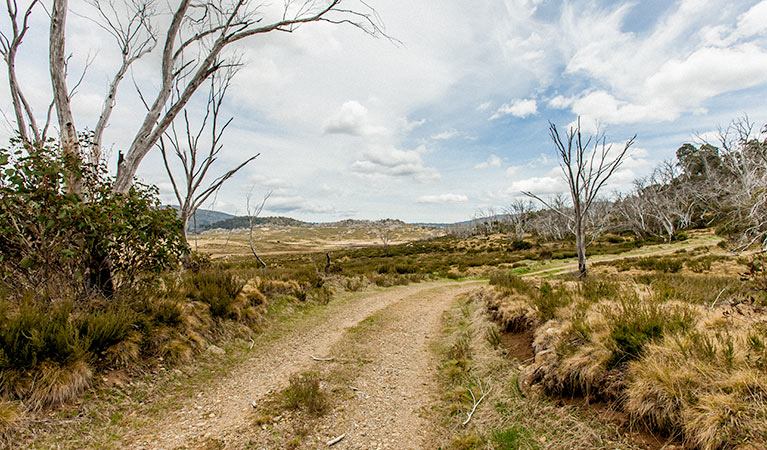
{"x":394,"y":388}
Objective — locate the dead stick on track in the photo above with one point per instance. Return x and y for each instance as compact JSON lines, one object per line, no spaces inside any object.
{"x":322,"y":359}
{"x":336,"y":440}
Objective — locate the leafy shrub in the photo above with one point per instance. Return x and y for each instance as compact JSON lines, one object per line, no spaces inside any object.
{"x":547,"y":299}
{"x":106,"y":326}
{"x":757,"y":273}
{"x":34,"y":331}
{"x":699,"y":265}
{"x":514,"y":438}
{"x":54,"y":240}
{"x":509,"y":283}
{"x":636,"y":323}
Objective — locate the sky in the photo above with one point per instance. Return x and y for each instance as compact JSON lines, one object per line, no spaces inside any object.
{"x":451,"y":116}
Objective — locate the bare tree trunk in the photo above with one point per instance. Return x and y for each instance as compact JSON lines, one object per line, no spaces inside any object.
{"x":252,"y":215}
{"x":580,"y":244}
{"x":57,"y":65}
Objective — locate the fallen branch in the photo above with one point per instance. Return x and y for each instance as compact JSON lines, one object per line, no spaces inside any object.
{"x":717,"y":298}
{"x":336,"y":440}
{"x":475,"y":401}
{"x":252,"y":343}
{"x":322,"y":359}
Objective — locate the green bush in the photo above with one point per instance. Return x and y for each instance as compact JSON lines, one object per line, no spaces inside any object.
{"x":520,"y":245}
{"x":304,"y":392}
{"x":514,"y":438}
{"x":106,"y":326}
{"x":35,"y":331}
{"x":217,"y":288}
{"x":54,"y":240}
{"x":509,"y":283}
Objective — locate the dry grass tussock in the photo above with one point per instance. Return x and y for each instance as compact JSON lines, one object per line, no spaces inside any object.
{"x":508,"y":418}
{"x":51,"y":349}
{"x":688,"y":367}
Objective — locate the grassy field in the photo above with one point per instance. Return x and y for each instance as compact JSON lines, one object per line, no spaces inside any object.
{"x":303,"y":239}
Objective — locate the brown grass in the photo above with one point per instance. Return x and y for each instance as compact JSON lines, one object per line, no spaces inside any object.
{"x":690,"y":367}
{"x":56,"y":383}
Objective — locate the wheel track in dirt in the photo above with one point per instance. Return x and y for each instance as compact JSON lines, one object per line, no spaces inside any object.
{"x":221,"y":411}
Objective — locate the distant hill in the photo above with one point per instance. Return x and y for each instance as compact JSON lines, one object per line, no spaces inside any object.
{"x":234,"y":222}
{"x":356,"y":223}
{"x":212,"y":220}
{"x":205,"y":217}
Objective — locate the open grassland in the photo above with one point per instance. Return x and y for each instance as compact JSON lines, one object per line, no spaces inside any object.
{"x":447,"y":257}
{"x":304,"y":239}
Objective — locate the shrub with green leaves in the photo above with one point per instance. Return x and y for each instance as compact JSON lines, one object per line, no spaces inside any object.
{"x":56,"y":240}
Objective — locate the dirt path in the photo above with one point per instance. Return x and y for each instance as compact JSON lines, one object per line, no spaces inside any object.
{"x":393,"y":393}
{"x":221,"y":412}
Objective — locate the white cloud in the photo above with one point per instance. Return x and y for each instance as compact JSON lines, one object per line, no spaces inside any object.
{"x":707,"y":72}
{"x":687,"y":58}
{"x":443,"y":198}
{"x":387,"y":161}
{"x":353,"y":119}
{"x":539,"y":185}
{"x":493,"y":161}
{"x":753,"y":21}
{"x":484,"y":106}
{"x":512,"y":170}
{"x":297,"y":204}
{"x":560,"y":102}
{"x":710,"y":137}
{"x":409,"y":126}
{"x":445,"y":135}
{"x":518,"y":108}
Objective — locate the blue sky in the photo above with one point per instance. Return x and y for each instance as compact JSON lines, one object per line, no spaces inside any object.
{"x":453,"y":119}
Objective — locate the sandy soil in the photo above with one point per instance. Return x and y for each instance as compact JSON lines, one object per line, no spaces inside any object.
{"x":393,"y":389}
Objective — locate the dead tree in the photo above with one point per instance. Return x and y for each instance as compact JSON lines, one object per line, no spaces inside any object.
{"x":745,"y":158}
{"x":197,"y":157}
{"x":384,"y":231}
{"x":193,"y":43}
{"x":518,"y":214}
{"x":26,"y":122}
{"x":253,"y":213}
{"x":586,"y":166}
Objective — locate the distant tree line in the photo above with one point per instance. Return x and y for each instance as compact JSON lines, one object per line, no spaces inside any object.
{"x":720,"y":184}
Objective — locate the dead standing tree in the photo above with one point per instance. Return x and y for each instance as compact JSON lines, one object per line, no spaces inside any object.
{"x":189,"y":152}
{"x":586,"y":166}
{"x":193,"y":47}
{"x":253,"y":213}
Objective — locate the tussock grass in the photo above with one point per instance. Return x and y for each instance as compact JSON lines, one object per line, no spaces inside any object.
{"x":508,"y":419}
{"x":683,"y":354}
{"x":52,"y":348}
